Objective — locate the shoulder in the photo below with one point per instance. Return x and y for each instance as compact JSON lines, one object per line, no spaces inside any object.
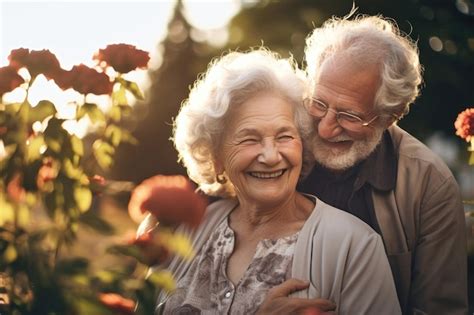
{"x":417,"y":158}
{"x":219,"y":208}
{"x":335,"y":225}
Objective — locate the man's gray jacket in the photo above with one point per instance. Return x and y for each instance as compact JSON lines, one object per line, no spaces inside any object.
{"x":423,"y":229}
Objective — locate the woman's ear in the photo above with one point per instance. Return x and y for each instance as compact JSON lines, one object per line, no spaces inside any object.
{"x":218,"y":167}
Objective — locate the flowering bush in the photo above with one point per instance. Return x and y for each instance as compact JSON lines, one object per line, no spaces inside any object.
{"x":36,"y":61}
{"x":44,"y":168}
{"x":85,"y":80}
{"x":158,"y":195}
{"x":464,"y":125}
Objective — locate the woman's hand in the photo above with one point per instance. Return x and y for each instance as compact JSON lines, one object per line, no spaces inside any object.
{"x":278,"y":302}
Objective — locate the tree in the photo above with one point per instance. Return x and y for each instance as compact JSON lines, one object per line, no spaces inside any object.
{"x":446,"y":26}
{"x":183,"y":58}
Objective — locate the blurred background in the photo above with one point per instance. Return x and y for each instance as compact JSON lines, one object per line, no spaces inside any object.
{"x":183,"y":36}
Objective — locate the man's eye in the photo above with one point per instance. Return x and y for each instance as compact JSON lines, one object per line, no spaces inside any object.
{"x":319,"y":105}
{"x":349,"y":118}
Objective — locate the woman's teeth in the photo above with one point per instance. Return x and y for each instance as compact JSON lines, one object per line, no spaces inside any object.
{"x":266,"y":175}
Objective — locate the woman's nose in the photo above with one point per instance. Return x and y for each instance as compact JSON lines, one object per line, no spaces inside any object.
{"x":269,"y":153}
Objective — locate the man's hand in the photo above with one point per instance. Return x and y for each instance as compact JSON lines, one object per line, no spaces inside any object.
{"x":278,"y":302}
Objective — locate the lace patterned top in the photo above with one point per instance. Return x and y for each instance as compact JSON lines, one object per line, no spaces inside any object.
{"x":205,"y":289}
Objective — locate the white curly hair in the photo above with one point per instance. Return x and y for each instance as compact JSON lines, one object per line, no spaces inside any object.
{"x":370,"y":40}
{"x":229,"y":81}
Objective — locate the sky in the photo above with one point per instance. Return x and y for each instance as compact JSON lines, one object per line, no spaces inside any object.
{"x":75,"y":30}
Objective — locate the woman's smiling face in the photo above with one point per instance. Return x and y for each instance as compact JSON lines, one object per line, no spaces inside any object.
{"x":261,"y":150}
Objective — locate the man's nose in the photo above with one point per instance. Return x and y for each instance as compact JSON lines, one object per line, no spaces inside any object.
{"x":270,"y":154}
{"x":328,"y":127}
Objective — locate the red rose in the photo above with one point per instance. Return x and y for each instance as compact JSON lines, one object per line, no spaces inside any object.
{"x":464,"y":124}
{"x":46,"y":174}
{"x":117,"y":303}
{"x":122,"y":57}
{"x":9,"y":79}
{"x":19,"y":58}
{"x":171,"y":199}
{"x":15,"y":190}
{"x":63,"y":79}
{"x":85,"y":80}
{"x":36,"y":61}
{"x":43,"y":61}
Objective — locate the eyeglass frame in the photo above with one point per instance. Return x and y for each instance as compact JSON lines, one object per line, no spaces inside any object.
{"x":328,"y":109}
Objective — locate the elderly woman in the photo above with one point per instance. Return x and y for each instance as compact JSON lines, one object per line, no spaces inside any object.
{"x":240,"y":135}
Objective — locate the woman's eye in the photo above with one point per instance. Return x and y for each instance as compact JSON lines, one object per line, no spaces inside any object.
{"x":285,"y":138}
{"x":248,"y":141}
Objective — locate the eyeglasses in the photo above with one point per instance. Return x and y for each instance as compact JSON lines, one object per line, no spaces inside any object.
{"x":346,"y":120}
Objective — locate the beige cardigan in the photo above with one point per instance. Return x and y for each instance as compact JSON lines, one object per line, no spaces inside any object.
{"x":341,"y":257}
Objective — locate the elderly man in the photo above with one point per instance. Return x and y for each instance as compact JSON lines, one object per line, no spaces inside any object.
{"x":364,"y":75}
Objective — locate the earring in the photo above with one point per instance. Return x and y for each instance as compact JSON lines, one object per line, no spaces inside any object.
{"x":221,"y":179}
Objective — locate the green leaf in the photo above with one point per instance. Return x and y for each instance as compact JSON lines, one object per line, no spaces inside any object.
{"x":177,"y":243}
{"x":105,"y":276}
{"x":119,"y":97}
{"x":126,"y":250}
{"x":24,"y":111}
{"x":55,"y":134}
{"x":133,"y":88}
{"x":127,"y":137}
{"x":34,"y":148}
{"x":94,"y":221}
{"x":126,"y":110}
{"x":114,"y":134}
{"x":77,"y":145}
{"x":7,"y":213}
{"x":114,"y":113}
{"x":41,"y":111}
{"x":10,"y":254}
{"x":71,"y":171}
{"x":13,"y":108}
{"x":80,"y":112}
{"x":54,"y":144}
{"x":163,"y":279}
{"x":72,"y":266}
{"x":103,"y":152}
{"x":23,"y":215}
{"x":83,"y":197}
{"x":9,"y":150}
{"x":92,"y":111}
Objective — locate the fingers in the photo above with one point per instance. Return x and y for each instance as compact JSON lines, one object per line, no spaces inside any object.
{"x":320,"y":305}
{"x":324,"y":305}
{"x":315,"y":311}
{"x":287,"y":287}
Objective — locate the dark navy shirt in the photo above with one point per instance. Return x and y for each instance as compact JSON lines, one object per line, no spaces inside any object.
{"x":351,"y":190}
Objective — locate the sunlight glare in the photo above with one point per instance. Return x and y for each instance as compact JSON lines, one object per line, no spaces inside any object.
{"x":75,"y":30}
{"x":210,"y":14}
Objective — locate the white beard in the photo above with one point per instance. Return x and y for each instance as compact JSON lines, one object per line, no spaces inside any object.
{"x":343,"y":159}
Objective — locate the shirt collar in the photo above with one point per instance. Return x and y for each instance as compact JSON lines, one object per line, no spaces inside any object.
{"x":380,"y":167}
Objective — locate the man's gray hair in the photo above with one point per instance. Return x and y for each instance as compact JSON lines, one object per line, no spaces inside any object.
{"x":370,"y":40}
{"x":229,"y":82}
